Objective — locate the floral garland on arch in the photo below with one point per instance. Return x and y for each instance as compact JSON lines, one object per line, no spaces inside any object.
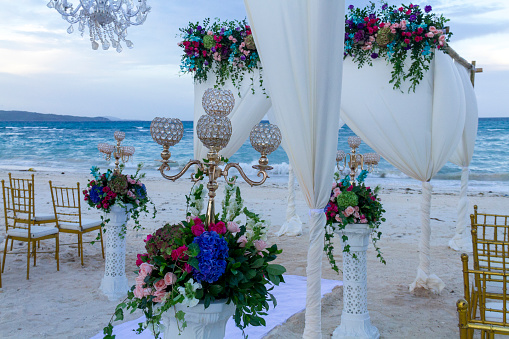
{"x":352,"y":204}
{"x":223,"y":48}
{"x":395,"y":34}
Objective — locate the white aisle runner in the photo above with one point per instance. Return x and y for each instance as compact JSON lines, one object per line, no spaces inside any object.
{"x":290,"y":296}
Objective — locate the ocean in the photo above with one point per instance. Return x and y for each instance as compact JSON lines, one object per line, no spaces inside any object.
{"x":72,"y":147}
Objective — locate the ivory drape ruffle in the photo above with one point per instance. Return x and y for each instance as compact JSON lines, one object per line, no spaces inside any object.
{"x":417,"y":132}
{"x":300,"y":43}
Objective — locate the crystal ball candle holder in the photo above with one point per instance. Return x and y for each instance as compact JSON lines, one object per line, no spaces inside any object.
{"x":354,"y":142}
{"x":218,"y":102}
{"x":167,"y":131}
{"x":214,"y":131}
{"x":119,"y":135}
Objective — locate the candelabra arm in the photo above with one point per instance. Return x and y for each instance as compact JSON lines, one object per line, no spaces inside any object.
{"x":165,"y":167}
{"x":243,"y":175}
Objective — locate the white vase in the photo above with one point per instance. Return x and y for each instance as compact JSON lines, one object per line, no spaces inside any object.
{"x":202,"y":323}
{"x":355,"y":321}
{"x":114,"y":283}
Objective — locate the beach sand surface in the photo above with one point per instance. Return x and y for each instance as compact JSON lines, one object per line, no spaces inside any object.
{"x":68,"y":303}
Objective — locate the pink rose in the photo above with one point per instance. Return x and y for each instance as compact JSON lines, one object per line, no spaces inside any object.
{"x":140,"y":280}
{"x":356,"y":214}
{"x":138,"y":292}
{"x":336,"y":191}
{"x":160,"y":285}
{"x":432,"y":28}
{"x":356,"y":208}
{"x":332,"y":198}
{"x":242,"y":241}
{"x":197,"y":221}
{"x":210,"y":33}
{"x":349,"y":211}
{"x":338,"y":218}
{"x":197,"y":229}
{"x":148,"y":238}
{"x":350,"y":188}
{"x":233,"y":227}
{"x":334,"y":185}
{"x":170,"y":278}
{"x":441,"y":38}
{"x":363,"y":216}
{"x":159,"y":296}
{"x":364,"y":221}
{"x":146,"y":269}
{"x":260,"y":245}
{"x":429,"y":35}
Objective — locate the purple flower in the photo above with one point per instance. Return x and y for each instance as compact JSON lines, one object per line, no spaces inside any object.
{"x":347,"y":36}
{"x":243,"y":57}
{"x":237,"y":29}
{"x":359,"y":36}
{"x":202,"y":31}
{"x":412,"y":18}
{"x":360,"y":26}
{"x":213,"y":49}
{"x":427,"y":9}
{"x":198,"y":28}
{"x":351,"y":7}
{"x":374,"y":55}
{"x":351,"y":25}
{"x":190,"y":31}
{"x":384,"y":7}
{"x":372,"y":16}
{"x":206,"y":63}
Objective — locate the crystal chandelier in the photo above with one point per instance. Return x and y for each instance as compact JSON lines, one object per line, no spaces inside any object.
{"x":107,"y":20}
{"x":356,"y":161}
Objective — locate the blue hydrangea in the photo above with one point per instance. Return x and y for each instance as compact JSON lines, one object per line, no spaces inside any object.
{"x":141,"y":191}
{"x":95,"y":194}
{"x":212,"y":257}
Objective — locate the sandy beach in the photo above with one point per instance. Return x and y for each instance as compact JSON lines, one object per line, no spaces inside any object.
{"x":68,"y":303}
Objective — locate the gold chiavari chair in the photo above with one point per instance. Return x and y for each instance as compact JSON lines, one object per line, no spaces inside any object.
{"x":493,"y":317}
{"x":67,"y":207}
{"x":25,"y":229}
{"x":490,"y":240}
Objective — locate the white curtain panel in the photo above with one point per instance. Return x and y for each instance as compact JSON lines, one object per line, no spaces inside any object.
{"x":249,"y":109}
{"x":301,"y":47}
{"x":462,"y":240}
{"x":417,"y":132}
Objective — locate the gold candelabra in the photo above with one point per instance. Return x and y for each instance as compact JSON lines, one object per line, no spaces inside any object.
{"x":356,"y":160}
{"x":214,"y":130}
{"x":120,"y":153}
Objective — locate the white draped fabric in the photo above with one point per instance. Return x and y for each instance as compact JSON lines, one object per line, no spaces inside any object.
{"x":293,"y":225}
{"x":249,"y":109}
{"x":462,"y":157}
{"x":417,"y":132}
{"x":300,"y":44}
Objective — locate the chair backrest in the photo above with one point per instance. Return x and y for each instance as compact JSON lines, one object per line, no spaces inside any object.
{"x":8,"y":206}
{"x":490,"y":240}
{"x":19,"y":183}
{"x":493,"y":308}
{"x":23,"y":206}
{"x":66,"y":203}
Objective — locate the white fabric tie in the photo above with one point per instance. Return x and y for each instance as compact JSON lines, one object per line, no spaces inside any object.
{"x":316,"y":211}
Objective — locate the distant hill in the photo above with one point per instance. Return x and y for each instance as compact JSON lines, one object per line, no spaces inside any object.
{"x":31,"y":116}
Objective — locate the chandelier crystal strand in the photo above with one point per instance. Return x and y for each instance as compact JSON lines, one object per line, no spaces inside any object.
{"x":105,"y":19}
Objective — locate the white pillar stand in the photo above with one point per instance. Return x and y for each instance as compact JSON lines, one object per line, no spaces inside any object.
{"x":355,"y":321}
{"x":114,"y":283}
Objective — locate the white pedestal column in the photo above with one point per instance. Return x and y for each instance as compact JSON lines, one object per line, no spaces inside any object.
{"x":355,"y":321}
{"x":114,"y":283}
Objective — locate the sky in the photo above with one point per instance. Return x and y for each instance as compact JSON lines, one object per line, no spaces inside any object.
{"x":44,"y":69}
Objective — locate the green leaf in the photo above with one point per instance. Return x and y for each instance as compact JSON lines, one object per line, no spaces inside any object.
{"x":275,"y":269}
{"x":193,"y":262}
{"x":258,"y":263}
{"x":215,"y":289}
{"x":119,"y":314}
{"x":193,"y":249}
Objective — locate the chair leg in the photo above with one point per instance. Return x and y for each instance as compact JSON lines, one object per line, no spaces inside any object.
{"x":81,"y":246}
{"x":28,"y":259}
{"x":35,"y":252}
{"x":12,"y":243}
{"x":5,"y":253}
{"x":102,"y":245}
{"x":57,"y":251}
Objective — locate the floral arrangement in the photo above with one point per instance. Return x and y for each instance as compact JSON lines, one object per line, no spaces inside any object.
{"x":227,"y":49}
{"x":395,"y":34}
{"x":352,"y":204}
{"x":108,"y":189}
{"x":189,"y":262}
